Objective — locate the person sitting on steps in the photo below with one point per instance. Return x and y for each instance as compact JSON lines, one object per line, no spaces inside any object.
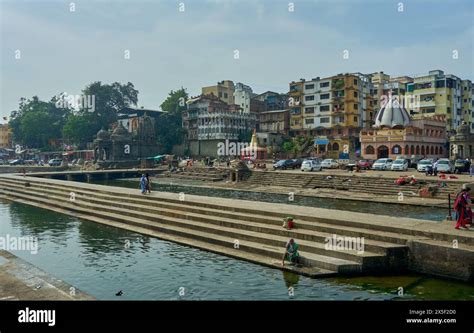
{"x":291,"y":252}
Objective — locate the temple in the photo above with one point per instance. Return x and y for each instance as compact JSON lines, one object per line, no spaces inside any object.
{"x":396,"y":134}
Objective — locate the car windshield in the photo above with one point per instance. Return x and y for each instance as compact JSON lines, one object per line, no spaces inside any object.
{"x":425,"y":162}
{"x":399,"y":162}
{"x":443,"y":162}
{"x":382,"y":160}
{"x":327,"y":161}
{"x":460,"y":161}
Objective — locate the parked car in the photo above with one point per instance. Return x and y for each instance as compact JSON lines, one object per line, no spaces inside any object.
{"x":329,"y":163}
{"x":461,"y":166}
{"x":365,"y":164}
{"x":423,"y":164}
{"x":400,"y":165}
{"x":311,"y":165}
{"x":17,"y":162}
{"x":297,"y":163}
{"x":55,"y":162}
{"x":382,"y":164}
{"x":445,"y":165}
{"x":283,"y":165}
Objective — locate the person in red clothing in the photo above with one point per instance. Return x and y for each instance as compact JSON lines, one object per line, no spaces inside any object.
{"x":462,"y":207}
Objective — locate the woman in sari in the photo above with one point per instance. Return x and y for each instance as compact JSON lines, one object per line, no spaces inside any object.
{"x":143,"y":184}
{"x":462,"y":208}
{"x":291,"y":252}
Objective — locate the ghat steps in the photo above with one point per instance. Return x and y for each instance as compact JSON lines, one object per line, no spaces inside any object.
{"x":217,"y":224}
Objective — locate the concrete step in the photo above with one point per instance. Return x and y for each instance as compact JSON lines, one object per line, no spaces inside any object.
{"x":372,"y":230}
{"x":373,"y":255}
{"x":338,"y":265}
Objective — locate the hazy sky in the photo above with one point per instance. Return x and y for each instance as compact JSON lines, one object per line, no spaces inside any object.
{"x":63,"y":51}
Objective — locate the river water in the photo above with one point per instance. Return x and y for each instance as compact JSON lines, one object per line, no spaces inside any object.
{"x":101,"y":260}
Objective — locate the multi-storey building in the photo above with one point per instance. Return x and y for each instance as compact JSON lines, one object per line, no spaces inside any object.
{"x":224,"y":90}
{"x":272,"y":100}
{"x":242,"y":96}
{"x":467,"y":103}
{"x":210,"y":121}
{"x":332,"y":110}
{"x":438,"y":93}
{"x":5,"y":136}
{"x":275,"y":121}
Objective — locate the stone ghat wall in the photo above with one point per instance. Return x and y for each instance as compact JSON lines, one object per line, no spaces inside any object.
{"x":19,"y":169}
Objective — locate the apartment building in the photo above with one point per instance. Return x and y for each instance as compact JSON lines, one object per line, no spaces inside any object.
{"x":5,"y":136}
{"x":224,"y":90}
{"x":439,"y":93}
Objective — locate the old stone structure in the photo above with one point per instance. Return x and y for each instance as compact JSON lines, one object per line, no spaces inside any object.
{"x":120,"y":148}
{"x":462,"y":143}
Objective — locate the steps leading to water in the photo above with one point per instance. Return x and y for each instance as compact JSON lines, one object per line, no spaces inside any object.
{"x":218,"y":226}
{"x":370,"y":185}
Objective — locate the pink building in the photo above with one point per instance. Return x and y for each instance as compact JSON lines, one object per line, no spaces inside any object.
{"x":395,"y":134}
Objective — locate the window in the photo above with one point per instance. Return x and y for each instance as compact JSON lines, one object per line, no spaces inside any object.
{"x":369,"y":150}
{"x":309,"y":98}
{"x":309,"y":110}
{"x":324,"y":84}
{"x":335,"y":146}
{"x":309,"y":86}
{"x":220,"y":94}
{"x":355,"y":119}
{"x":225,"y":95}
{"x":309,"y":121}
{"x":356,"y":106}
{"x":324,"y":120}
{"x":324,"y":96}
{"x":324,"y":108}
{"x":355,"y":81}
{"x":355,"y":93}
{"x":396,"y":150}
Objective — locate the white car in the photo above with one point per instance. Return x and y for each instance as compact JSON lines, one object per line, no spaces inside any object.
{"x":421,"y":166}
{"x":400,"y":165}
{"x":445,"y":165}
{"x":382,"y":164}
{"x":329,"y":163}
{"x":311,"y":165}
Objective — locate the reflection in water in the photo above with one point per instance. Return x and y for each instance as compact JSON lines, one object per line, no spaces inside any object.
{"x":96,"y":259}
{"x":425,"y":213}
{"x":291,"y":279}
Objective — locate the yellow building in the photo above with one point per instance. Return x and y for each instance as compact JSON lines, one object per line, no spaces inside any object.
{"x":5,"y":136}
{"x":331,"y":110}
{"x":224,"y":90}
{"x":437,"y":93}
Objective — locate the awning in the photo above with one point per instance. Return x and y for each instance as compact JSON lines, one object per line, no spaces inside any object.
{"x":321,"y":141}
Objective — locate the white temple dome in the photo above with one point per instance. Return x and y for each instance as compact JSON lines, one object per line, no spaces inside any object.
{"x":392,"y":115}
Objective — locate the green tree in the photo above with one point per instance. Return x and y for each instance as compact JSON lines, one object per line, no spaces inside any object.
{"x":169,"y":129}
{"x":36,"y":123}
{"x":79,"y":129}
{"x":109,"y":100}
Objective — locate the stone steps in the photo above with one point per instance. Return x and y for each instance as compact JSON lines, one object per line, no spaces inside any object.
{"x":214,"y":225}
{"x":373,"y":230}
{"x":382,"y":186}
{"x":275,"y":252}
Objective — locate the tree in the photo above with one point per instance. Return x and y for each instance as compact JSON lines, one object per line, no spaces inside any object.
{"x":169,"y":128}
{"x":79,"y":129}
{"x":36,"y":123}
{"x":109,"y":100}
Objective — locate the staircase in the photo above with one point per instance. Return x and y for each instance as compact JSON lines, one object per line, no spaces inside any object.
{"x":361,"y":184}
{"x":241,"y":229}
{"x":204,"y":174}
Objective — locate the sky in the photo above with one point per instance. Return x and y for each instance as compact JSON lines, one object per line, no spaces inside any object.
{"x":276,"y":41}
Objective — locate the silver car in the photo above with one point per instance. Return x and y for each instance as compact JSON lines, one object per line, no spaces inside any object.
{"x":444,"y":165}
{"x":311,"y":165}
